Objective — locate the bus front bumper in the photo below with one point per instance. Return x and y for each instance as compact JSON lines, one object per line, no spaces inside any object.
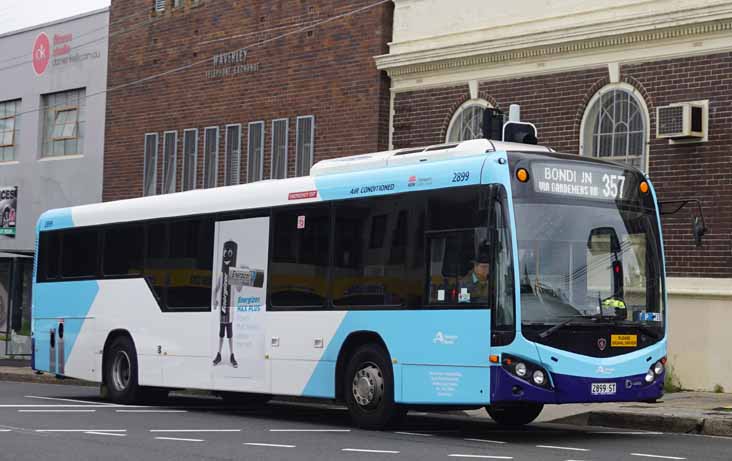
{"x":506,"y":388}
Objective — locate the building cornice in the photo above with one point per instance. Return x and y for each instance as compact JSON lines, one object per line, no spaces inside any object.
{"x":565,"y":42}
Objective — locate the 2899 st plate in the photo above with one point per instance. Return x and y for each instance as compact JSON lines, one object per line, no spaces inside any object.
{"x":603,"y":389}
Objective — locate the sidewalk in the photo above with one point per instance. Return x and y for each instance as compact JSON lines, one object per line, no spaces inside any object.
{"x":685,"y":412}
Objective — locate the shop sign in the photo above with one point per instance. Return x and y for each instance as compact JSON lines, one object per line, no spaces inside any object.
{"x":230,"y":64}
{"x":57,"y":52}
{"x":8,"y":210}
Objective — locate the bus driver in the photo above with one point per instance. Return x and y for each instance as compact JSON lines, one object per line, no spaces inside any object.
{"x":476,"y":281}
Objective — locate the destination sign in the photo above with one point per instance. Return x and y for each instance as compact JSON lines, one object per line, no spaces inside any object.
{"x":575,"y":180}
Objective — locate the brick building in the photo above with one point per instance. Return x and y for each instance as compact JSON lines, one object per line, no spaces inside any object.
{"x":236,"y":92}
{"x":591,"y":77}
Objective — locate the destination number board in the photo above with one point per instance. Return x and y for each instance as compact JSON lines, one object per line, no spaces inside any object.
{"x":574,"y":180}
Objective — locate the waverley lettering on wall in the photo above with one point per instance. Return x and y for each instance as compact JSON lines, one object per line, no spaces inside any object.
{"x":230,"y":64}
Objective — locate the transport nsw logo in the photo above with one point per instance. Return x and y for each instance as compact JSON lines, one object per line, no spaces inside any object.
{"x":41,"y":53}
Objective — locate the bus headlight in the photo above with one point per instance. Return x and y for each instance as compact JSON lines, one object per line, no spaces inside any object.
{"x":650,"y":376}
{"x":526,"y":370}
{"x":658,"y":368}
{"x":539,"y":378}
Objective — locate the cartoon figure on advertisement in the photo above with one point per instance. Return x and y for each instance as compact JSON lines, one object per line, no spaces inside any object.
{"x":226,"y":306}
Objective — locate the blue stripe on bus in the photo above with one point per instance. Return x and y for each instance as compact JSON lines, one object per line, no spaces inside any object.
{"x":70,"y":301}
{"x":408,"y":178}
{"x":457,"y":337}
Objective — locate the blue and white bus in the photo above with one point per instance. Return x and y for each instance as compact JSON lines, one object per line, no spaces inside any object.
{"x":468,"y":275}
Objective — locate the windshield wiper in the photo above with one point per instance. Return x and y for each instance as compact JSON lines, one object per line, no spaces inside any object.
{"x":605,"y":320}
{"x":548,"y":332}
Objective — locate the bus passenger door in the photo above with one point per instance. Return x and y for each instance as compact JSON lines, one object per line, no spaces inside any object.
{"x":238,"y":305}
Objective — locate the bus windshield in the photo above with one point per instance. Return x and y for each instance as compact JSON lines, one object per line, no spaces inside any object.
{"x":584,"y":259}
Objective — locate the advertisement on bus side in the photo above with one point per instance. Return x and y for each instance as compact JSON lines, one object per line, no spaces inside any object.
{"x":239,"y":296}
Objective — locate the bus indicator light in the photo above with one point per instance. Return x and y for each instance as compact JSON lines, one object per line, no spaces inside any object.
{"x":644,"y":187}
{"x":522,"y":174}
{"x":494,"y":359}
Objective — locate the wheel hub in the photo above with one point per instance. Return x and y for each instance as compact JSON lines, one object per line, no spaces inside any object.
{"x":368,"y":386}
{"x":121,"y":371}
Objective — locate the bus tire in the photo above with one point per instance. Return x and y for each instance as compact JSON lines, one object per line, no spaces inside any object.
{"x":120,"y":372}
{"x":369,"y":388}
{"x":519,"y":414}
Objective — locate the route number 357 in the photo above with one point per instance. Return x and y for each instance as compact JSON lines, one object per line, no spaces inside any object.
{"x":613,"y":186}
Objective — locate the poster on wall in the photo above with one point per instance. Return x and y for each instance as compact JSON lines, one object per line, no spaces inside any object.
{"x":239,"y":294}
{"x":8,"y":210}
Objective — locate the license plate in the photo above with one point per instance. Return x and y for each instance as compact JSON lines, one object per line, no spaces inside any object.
{"x":603,"y":388}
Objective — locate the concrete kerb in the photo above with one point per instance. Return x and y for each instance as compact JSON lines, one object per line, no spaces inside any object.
{"x":650,"y":422}
{"x":26,"y":375}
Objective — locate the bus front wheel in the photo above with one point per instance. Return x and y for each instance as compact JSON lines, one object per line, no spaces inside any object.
{"x":518,"y":414}
{"x":120,"y":372}
{"x":369,"y":388}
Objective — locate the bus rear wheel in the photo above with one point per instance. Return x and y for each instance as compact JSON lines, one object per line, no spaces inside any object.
{"x":120,"y":372}
{"x":369,"y":388}
{"x":518,"y":414}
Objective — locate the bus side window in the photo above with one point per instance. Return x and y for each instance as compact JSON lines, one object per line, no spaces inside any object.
{"x":80,"y":256}
{"x":123,"y":251}
{"x":49,"y":253}
{"x":300,"y":258}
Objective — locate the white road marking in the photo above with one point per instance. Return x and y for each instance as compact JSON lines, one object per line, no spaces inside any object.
{"x":59,"y":406}
{"x":116,"y":434}
{"x":551,"y":447}
{"x":81,"y":430}
{"x":655,"y":456}
{"x":275,"y":445}
{"x":6,"y":430}
{"x":419,"y":434}
{"x":67,"y":405}
{"x":310,"y":430}
{"x":56,"y":411}
{"x":486,"y":441}
{"x":67,"y":400}
{"x":151,"y":411}
{"x":626,"y":433}
{"x":479,"y":456}
{"x":195,"y":430}
{"x":360,"y":450}
{"x":179,"y":440}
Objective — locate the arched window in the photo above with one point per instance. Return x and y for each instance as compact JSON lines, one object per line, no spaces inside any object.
{"x":467,"y":123}
{"x":615,"y":126}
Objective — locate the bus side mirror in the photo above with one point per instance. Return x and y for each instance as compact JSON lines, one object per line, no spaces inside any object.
{"x":699,"y":230}
{"x":698,"y":225}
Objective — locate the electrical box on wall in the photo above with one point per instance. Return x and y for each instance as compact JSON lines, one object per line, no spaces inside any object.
{"x":683,"y":122}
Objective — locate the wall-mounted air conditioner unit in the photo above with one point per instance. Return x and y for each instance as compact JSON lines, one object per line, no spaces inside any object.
{"x":686,"y":121}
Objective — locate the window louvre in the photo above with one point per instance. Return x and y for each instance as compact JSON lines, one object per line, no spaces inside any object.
{"x":170,"y":160}
{"x":232,"y":148}
{"x":255,"y":151}
{"x":150,"y":169}
{"x":160,"y":5}
{"x":210,"y":156}
{"x":279,"y":149}
{"x":304,"y":144}
{"x":190,"y":158}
